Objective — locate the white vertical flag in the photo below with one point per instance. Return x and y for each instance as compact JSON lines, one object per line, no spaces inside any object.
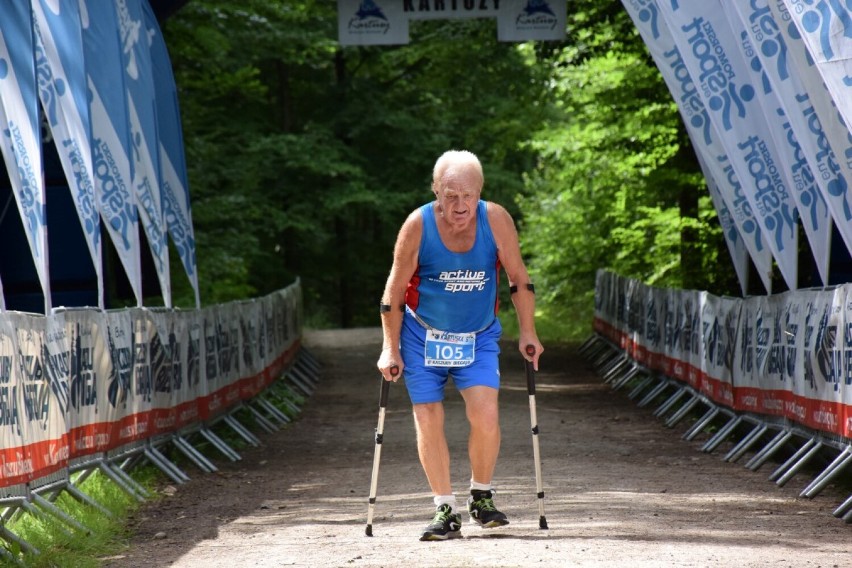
{"x":175,"y":184}
{"x":145,"y":162}
{"x":710,"y":52}
{"x":705,"y":138}
{"x":826,"y":28}
{"x":110,"y":135}
{"x":833,"y":140}
{"x":20,"y":139}
{"x":765,"y":51}
{"x":63,"y":93}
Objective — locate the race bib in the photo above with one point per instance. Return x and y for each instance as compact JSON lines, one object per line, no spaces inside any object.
{"x":445,"y":349}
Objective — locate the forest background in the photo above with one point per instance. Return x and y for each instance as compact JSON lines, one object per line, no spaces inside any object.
{"x":305,"y":157}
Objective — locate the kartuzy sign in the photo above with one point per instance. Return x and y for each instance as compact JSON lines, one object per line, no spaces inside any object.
{"x":385,"y":22}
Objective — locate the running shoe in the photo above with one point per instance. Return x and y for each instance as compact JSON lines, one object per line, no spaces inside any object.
{"x":481,"y":507}
{"x":444,"y":525}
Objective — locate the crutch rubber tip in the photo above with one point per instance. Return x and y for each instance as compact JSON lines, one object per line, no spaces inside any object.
{"x":542,"y":523}
{"x":369,"y":530}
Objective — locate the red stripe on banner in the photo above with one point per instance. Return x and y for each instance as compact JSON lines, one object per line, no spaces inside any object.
{"x":91,"y":438}
{"x":25,"y":463}
{"x":826,"y":416}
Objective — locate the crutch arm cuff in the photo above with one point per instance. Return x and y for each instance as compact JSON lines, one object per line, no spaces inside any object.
{"x":529,"y":286}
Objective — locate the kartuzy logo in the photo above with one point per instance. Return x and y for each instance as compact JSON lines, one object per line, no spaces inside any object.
{"x":369,"y":19}
{"x":536,"y":15}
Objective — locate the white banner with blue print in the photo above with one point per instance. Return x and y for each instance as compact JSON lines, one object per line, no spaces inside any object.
{"x":705,"y":138}
{"x":111,"y":147}
{"x":386,"y":22}
{"x":784,"y":103}
{"x":20,"y":139}
{"x":63,"y":94}
{"x":826,"y":28}
{"x":710,"y":52}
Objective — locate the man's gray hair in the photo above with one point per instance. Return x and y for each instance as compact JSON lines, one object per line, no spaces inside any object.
{"x":453,"y":159}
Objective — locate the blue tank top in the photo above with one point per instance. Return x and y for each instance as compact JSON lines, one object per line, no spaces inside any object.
{"x":455,"y":291}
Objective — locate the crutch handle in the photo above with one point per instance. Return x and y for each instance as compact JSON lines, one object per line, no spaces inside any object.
{"x":530,"y":349}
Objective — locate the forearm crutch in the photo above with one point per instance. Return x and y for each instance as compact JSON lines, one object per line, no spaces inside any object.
{"x":542,"y":522}
{"x":374,"y":481}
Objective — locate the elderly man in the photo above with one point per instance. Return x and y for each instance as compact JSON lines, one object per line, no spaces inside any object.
{"x":439,"y":318}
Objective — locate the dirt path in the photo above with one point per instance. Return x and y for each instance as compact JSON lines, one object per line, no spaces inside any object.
{"x":621,"y":489}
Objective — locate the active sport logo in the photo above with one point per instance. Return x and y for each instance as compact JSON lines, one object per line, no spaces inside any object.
{"x":463,"y":280}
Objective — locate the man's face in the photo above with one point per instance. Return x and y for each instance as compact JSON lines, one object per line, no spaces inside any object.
{"x":458,"y":194}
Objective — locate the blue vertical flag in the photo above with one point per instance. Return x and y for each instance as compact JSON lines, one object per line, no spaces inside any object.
{"x":114,"y":197}
{"x":175,"y":185}
{"x":63,"y":94}
{"x":145,"y":162}
{"x":20,"y":140}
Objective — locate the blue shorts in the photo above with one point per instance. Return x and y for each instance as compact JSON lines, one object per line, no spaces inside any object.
{"x":426,"y":384}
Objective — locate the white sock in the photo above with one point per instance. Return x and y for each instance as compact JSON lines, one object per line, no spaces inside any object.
{"x":445,"y":500}
{"x":480,"y":486}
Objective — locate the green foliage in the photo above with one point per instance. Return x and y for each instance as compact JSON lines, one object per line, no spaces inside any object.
{"x":305,"y":157}
{"x":63,"y":547}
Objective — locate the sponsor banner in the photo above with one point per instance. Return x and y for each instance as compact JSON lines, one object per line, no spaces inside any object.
{"x":826,"y":28}
{"x":733,"y":239}
{"x":721,"y":75}
{"x":174,"y":182}
{"x":704,"y":135}
{"x":128,"y":382}
{"x":823,"y":358}
{"x":371,"y":22}
{"x":846,"y":386}
{"x":785,"y":102}
{"x":42,"y":416}
{"x":145,"y":162}
{"x":719,"y":319}
{"x":16,"y":465}
{"x":826,"y":124}
{"x":525,"y":20}
{"x":111,"y":147}
{"x":62,"y":90}
{"x":20,"y":140}
{"x":89,"y":413}
{"x":386,"y":22}
{"x":83,"y":381}
{"x":654,"y":317}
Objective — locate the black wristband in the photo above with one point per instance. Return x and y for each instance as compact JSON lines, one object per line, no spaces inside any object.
{"x":513,"y":289}
{"x":383,"y":308}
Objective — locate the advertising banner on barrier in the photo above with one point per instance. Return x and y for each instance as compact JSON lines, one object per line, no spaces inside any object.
{"x":63,"y":94}
{"x":15,"y":465}
{"x":826,"y":28}
{"x":761,"y":45}
{"x":82,"y":381}
{"x":820,"y":398}
{"x":89,"y":414}
{"x":655,"y":306}
{"x":703,"y":133}
{"x":708,"y":48}
{"x":42,"y":416}
{"x":111,"y":147}
{"x":719,"y":318}
{"x":834,"y":142}
{"x":746,"y":375}
{"x":128,"y":379}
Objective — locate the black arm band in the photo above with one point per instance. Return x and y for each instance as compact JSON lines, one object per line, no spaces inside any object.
{"x":513,"y":289}
{"x":387,"y":307}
